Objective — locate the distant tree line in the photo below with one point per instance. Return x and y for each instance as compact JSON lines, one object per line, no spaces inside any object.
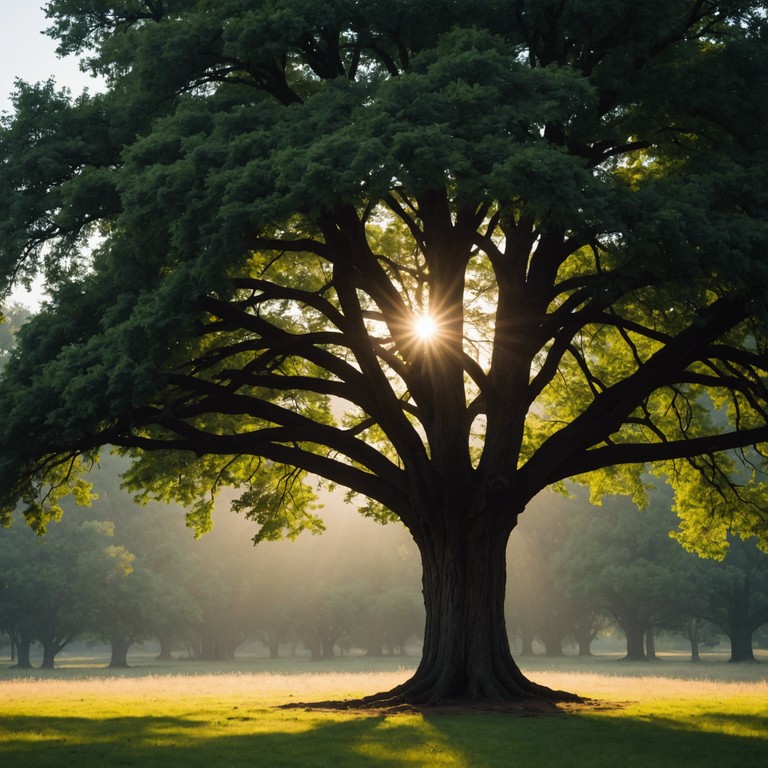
{"x":121,"y":573}
{"x":577,"y":569}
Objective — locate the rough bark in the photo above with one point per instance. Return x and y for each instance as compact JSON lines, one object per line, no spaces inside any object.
{"x":741,"y":645}
{"x":466,"y":657}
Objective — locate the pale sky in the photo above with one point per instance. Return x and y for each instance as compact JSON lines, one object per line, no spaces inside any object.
{"x":28,"y":54}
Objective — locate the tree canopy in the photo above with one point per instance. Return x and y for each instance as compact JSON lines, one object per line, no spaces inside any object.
{"x":241,"y":233}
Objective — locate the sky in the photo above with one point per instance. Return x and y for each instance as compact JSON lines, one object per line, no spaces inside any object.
{"x":26,"y":53}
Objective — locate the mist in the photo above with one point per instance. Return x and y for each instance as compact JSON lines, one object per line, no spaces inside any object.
{"x":119,"y":573}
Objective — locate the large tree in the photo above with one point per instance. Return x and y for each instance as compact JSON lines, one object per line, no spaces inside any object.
{"x":241,"y":234}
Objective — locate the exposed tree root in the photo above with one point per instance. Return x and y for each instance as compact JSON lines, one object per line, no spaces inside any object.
{"x":418,"y":695}
{"x":388,"y":705}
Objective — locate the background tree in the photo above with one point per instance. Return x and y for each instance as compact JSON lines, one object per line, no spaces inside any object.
{"x":396,"y":616}
{"x":622,"y":560}
{"x":16,"y":618}
{"x":272,"y":615}
{"x":537,"y":603}
{"x":155,"y":600}
{"x":353,"y":588}
{"x":574,"y":192}
{"x":541,"y":600}
{"x":222,"y":580}
{"x":736,"y":595}
{"x":54,"y":585}
{"x":124,"y":612}
{"x":698,"y":632}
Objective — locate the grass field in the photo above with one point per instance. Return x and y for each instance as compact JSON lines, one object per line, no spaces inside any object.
{"x":669,"y":714}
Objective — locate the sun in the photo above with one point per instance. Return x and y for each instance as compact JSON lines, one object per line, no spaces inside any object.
{"x":425,"y":327}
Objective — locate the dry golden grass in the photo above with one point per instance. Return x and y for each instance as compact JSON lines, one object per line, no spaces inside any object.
{"x":270,"y":687}
{"x":277,"y":687}
{"x":639,"y":687}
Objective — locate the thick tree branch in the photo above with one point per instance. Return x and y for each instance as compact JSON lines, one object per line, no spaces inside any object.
{"x":609,"y":409}
{"x":293,"y":425}
{"x":644,"y":453}
{"x":391,"y":495}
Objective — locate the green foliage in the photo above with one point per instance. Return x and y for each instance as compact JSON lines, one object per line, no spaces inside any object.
{"x":275,"y":497}
{"x":239,"y":232}
{"x":54,"y":586}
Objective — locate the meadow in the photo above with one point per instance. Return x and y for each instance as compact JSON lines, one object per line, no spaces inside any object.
{"x":671,"y":713}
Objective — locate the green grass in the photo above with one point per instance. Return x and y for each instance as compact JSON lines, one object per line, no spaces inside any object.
{"x":669,"y":714}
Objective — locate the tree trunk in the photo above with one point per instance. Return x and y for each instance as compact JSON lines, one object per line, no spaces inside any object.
{"x":692,"y":632}
{"x":218,"y":644}
{"x":50,"y":649}
{"x":695,"y":656}
{"x":209,"y":646}
{"x":634,"y":630}
{"x":739,"y":627}
{"x":526,"y":643}
{"x":312,"y":644}
{"x":233,"y":641}
{"x":119,"y":656}
{"x":741,"y":645}
{"x":271,"y":641}
{"x":553,"y":643}
{"x":327,"y":644}
{"x":584,"y":634}
{"x":194,"y":645}
{"x":274,"y":650}
{"x":466,"y":656}
{"x":23,"y":643}
{"x":166,"y":647}
{"x":650,"y":645}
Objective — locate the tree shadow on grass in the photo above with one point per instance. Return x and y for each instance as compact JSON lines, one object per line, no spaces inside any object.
{"x":332,"y":740}
{"x":714,"y":739}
